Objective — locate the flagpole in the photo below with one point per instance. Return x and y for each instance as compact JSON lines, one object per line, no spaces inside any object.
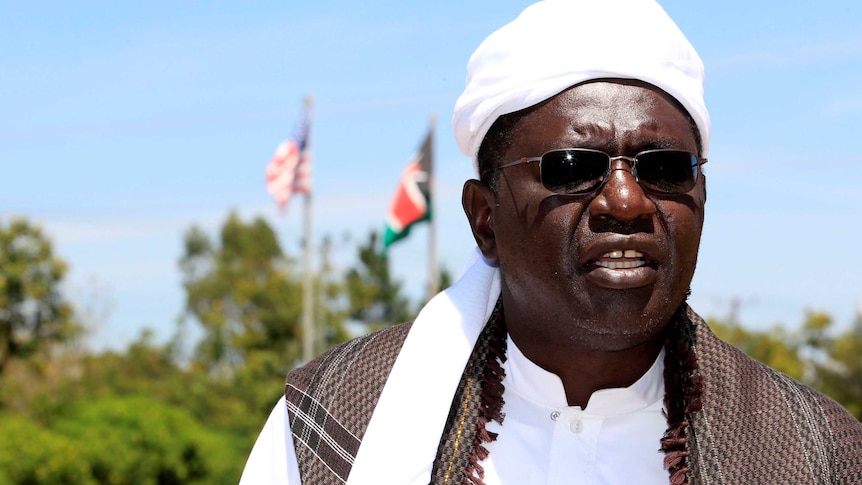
{"x":433,"y":271}
{"x":319,"y":293}
{"x":308,"y":276}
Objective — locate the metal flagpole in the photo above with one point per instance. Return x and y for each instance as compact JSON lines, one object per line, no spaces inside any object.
{"x":319,"y":297}
{"x":433,"y":272}
{"x":308,"y":276}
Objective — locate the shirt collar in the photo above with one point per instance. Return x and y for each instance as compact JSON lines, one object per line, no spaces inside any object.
{"x":545,"y":388}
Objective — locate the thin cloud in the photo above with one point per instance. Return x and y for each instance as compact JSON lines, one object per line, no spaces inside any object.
{"x":850,"y":105}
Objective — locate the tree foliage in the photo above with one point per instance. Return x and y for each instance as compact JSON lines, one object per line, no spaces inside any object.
{"x":836,"y":360}
{"x":243,"y":291}
{"x":376,"y":298}
{"x":33,"y":313}
{"x":116,"y":441}
{"x":151,"y":414}
{"x":31,"y":454}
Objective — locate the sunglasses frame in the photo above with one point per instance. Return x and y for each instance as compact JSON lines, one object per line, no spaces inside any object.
{"x":632,"y":162}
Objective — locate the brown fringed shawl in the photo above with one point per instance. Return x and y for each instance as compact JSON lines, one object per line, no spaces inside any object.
{"x":478,"y":400}
{"x":731,"y":420}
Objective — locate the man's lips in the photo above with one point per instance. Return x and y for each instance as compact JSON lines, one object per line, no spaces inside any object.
{"x":621,"y":262}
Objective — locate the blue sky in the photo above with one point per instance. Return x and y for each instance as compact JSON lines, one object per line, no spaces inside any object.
{"x":123,"y":123}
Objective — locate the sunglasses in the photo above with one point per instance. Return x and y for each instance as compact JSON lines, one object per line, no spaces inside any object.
{"x":581,"y":170}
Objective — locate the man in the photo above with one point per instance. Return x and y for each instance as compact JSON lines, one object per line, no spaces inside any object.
{"x":566,"y":353}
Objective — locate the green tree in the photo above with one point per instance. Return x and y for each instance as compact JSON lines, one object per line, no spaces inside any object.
{"x":32,"y":455}
{"x":139,"y":440}
{"x":375,"y":297}
{"x":144,"y":368}
{"x":243,"y":291}
{"x":34,"y":315}
{"x":114,"y":440}
{"x":837,"y":360}
{"x":128,"y":418}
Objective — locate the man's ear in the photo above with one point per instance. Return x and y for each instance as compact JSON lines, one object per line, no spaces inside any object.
{"x":479,"y":204}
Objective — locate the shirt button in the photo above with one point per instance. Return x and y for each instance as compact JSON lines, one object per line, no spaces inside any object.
{"x":555,"y":415}
{"x":576,"y":426}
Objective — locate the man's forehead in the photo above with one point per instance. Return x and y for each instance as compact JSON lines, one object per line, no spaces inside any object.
{"x":615,"y":115}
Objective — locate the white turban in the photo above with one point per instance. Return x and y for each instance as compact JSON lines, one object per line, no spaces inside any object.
{"x":556,"y":44}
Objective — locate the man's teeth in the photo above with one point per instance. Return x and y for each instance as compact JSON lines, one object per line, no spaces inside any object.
{"x":620,"y":264}
{"x":617,"y":254}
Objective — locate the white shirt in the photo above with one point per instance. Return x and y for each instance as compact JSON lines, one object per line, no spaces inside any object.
{"x":614,"y":440}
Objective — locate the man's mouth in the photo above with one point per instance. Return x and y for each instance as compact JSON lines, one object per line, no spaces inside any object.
{"x":621,"y":259}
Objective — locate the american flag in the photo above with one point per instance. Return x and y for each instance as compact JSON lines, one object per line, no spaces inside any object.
{"x":289,"y":170}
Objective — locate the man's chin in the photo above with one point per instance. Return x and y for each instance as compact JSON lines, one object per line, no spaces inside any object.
{"x":621,"y":338}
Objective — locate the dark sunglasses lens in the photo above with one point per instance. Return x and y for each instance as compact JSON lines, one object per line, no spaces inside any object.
{"x":573,"y":171}
{"x":667,"y":171}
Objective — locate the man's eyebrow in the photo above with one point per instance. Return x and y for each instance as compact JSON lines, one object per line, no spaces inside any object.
{"x":660,"y":143}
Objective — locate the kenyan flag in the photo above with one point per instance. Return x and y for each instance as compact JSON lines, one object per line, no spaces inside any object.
{"x":412,"y":200}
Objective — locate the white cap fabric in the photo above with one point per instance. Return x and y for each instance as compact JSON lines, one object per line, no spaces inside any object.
{"x":556,"y":44}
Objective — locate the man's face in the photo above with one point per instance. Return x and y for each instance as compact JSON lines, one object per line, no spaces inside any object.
{"x":557,"y":253}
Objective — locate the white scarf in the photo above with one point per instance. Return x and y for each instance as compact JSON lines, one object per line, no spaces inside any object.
{"x":401,"y":441}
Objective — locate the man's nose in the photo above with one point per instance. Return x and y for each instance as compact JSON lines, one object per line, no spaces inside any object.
{"x":621,"y":197}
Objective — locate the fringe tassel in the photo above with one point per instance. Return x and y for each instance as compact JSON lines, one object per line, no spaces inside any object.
{"x":683,"y":395}
{"x":679,"y":477}
{"x":491,"y":399}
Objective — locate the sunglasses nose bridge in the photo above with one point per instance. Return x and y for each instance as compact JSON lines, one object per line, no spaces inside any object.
{"x":630,"y":161}
{"x":622,"y":163}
